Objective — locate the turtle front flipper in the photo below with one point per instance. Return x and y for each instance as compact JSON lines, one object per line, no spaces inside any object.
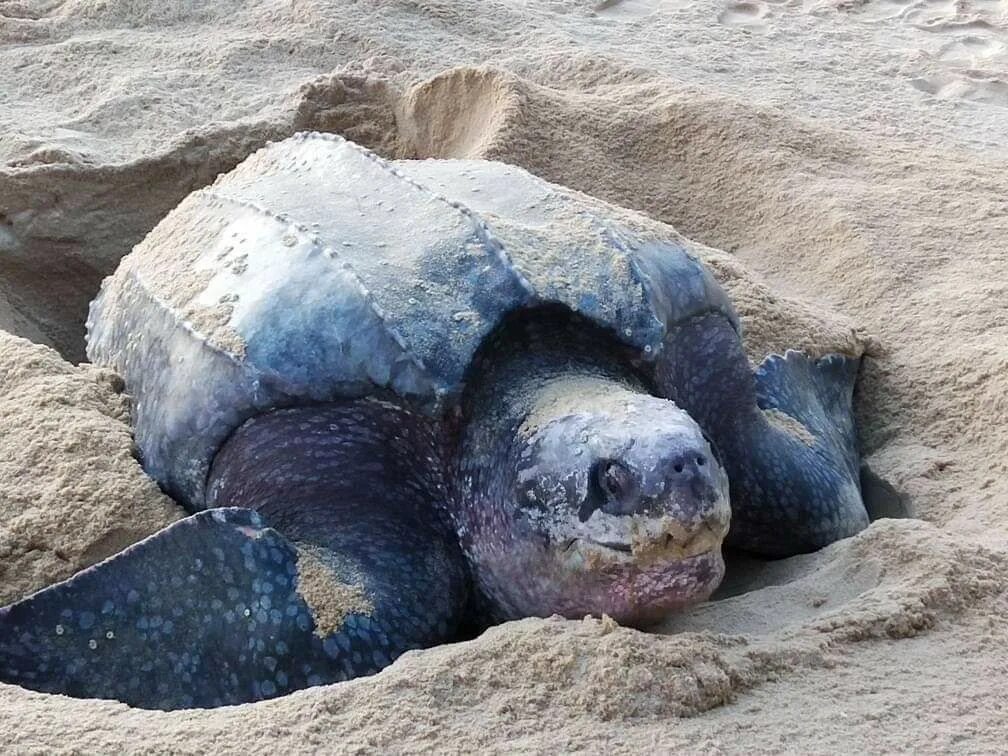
{"x":344,"y":567}
{"x":203,"y":613}
{"x":786,"y":435}
{"x":816,"y":394}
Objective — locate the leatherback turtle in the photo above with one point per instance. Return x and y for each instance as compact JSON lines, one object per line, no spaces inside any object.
{"x":402,"y":396}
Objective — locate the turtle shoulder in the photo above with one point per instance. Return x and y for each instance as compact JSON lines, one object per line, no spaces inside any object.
{"x":313,"y":271}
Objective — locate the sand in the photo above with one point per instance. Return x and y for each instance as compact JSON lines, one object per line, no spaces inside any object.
{"x":843,"y":168}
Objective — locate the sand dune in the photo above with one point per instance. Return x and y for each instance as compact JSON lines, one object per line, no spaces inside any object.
{"x":841,"y":167}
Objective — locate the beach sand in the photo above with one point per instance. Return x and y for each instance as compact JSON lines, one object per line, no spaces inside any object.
{"x":842,"y":166}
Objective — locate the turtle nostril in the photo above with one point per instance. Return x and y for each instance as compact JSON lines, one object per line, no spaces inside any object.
{"x":688,"y":463}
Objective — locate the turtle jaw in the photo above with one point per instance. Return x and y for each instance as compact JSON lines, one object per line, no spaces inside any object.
{"x":640,"y":595}
{"x":659,"y":567}
{"x":636,"y":569}
{"x":586,"y":578}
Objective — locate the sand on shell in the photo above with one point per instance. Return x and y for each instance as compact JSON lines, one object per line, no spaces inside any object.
{"x":848,"y":159}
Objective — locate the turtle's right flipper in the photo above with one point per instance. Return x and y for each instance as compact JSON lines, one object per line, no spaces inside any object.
{"x":785,"y":434}
{"x":817,"y":394}
{"x":206,"y":612}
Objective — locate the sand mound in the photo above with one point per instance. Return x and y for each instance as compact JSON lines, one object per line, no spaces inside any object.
{"x":846,"y":159}
{"x":72,"y":492}
{"x":596,"y":683}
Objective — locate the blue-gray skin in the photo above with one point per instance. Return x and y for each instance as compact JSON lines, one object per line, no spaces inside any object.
{"x":454,"y":414}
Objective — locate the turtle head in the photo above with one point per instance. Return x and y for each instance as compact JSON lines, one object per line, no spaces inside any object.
{"x":614,"y":504}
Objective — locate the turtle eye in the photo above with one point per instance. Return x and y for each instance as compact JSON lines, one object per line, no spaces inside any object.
{"x":612,"y":487}
{"x":615,"y":481}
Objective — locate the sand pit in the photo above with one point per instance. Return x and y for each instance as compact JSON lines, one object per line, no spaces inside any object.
{"x":842,"y":167}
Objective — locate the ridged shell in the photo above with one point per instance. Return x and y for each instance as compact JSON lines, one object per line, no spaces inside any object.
{"x":315,"y":271}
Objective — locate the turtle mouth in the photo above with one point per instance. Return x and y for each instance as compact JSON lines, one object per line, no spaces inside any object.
{"x":643,"y":547}
{"x":624,"y":547}
{"x":608,"y":578}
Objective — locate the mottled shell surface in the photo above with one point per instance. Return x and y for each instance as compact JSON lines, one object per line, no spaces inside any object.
{"x":316,"y":271}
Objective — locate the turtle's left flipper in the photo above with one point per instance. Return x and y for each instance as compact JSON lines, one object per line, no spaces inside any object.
{"x":203,"y":613}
